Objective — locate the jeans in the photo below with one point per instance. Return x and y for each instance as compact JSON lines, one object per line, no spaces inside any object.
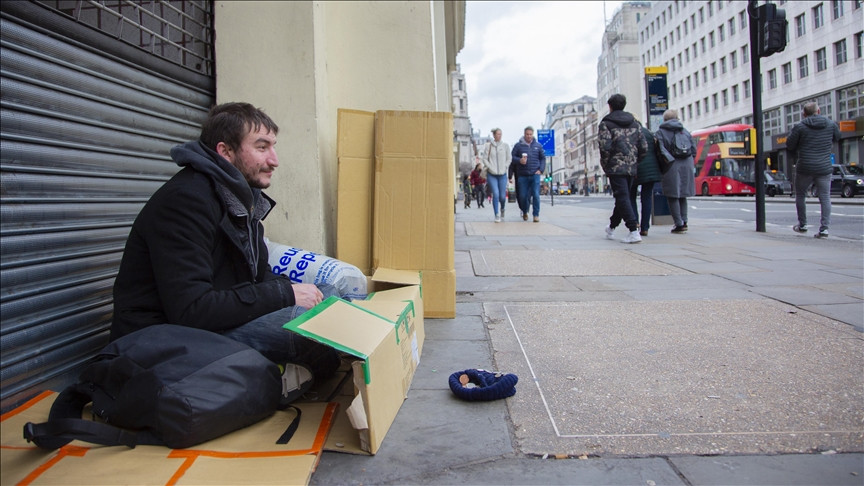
{"x":498,"y":183}
{"x":823,"y":187}
{"x":647,"y":198}
{"x":678,"y":209}
{"x":529,"y":187}
{"x":623,"y":211}
{"x":480,"y":194}
{"x":266,"y":335}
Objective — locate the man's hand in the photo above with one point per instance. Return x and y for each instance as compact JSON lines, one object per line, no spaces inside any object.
{"x":307,"y":295}
{"x":538,"y":172}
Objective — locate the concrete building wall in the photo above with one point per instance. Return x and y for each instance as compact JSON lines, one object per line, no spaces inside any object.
{"x":302,"y":61}
{"x":618,"y":68}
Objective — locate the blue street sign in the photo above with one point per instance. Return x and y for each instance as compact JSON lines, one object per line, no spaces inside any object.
{"x":546,"y":138}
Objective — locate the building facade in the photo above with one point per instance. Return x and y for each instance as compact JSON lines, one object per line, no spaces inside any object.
{"x":465,"y":152}
{"x":706,"y":48}
{"x":568,"y":119}
{"x":618,"y":68}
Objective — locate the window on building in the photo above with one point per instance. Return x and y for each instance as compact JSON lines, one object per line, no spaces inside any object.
{"x":695,"y":55}
{"x":687,"y":55}
{"x":693,"y":22}
{"x":787,"y":73}
{"x":714,"y":102}
{"x":745,"y":54}
{"x":698,"y":109}
{"x":793,"y":113}
{"x":800,"y":25}
{"x":711,"y":38}
{"x":733,"y":58}
{"x":837,"y":9}
{"x":689,"y":87}
{"x":859,"y":45}
{"x":840,"y":52}
{"x":696,"y":78}
{"x":850,"y":102}
{"x":705,"y":104}
{"x":713,"y":70}
{"x":825,"y":104}
{"x":772,"y":79}
{"x":678,"y":31}
{"x":747,"y":88}
{"x":673,"y":63}
{"x":720,"y":5}
{"x":679,"y":60}
{"x":690,"y":111}
{"x":461,"y":105}
{"x":674,"y":90}
{"x":818,"y":19}
{"x":742,"y":19}
{"x":460,"y":85}
{"x":725,"y":95}
{"x":681,"y":86}
{"x":721,"y":33}
{"x":821,"y":60}
{"x":665,"y":44}
{"x":702,"y":44}
{"x":731,"y":27}
{"x":772,"y":122}
{"x":856,"y":4}
{"x":705,"y":75}
{"x":710,"y":8}
{"x":803,"y":68}
{"x":723,"y":65}
{"x":701,"y":15}
{"x":735,"y":96}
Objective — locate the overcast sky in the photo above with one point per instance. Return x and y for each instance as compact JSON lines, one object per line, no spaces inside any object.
{"x":521,"y":56}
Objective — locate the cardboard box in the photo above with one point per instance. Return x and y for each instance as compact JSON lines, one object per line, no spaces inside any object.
{"x":385,"y":333}
{"x":414,"y":181}
{"x":355,"y":152}
{"x":439,"y":295}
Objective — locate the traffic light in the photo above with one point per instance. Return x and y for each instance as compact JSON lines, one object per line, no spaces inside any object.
{"x":772,"y":29}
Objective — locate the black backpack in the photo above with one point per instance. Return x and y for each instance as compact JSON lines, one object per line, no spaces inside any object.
{"x":164,"y":385}
{"x":680,"y":146}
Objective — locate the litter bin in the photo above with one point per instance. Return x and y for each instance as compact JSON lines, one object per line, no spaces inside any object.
{"x":660,"y":214}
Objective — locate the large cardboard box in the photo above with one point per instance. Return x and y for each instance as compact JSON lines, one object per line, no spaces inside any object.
{"x":385,"y":334}
{"x":355,"y":152}
{"x":414,"y":181}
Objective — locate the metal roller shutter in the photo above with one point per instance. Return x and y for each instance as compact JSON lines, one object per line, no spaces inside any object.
{"x":87,"y":120}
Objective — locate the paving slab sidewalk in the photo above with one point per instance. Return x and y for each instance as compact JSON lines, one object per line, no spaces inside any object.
{"x":759,"y":333}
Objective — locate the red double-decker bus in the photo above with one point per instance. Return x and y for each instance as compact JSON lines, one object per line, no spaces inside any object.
{"x":724,"y":160}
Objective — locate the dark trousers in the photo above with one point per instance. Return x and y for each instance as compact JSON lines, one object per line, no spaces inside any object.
{"x":647,"y":198}
{"x":623,"y":211}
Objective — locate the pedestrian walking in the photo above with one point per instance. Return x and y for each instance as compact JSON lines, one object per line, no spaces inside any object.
{"x":812,"y":141}
{"x":467,"y":192}
{"x":676,"y":149}
{"x":497,"y":162}
{"x":530,"y":160}
{"x":622,"y":145}
{"x":647,"y":174}
{"x":478,"y":182}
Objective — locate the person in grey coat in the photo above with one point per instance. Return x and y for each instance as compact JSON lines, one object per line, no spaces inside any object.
{"x":678,"y":182}
{"x":647,"y":174}
{"x":812,"y":140}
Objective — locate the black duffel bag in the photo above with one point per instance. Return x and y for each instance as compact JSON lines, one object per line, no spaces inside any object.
{"x":163,"y":385}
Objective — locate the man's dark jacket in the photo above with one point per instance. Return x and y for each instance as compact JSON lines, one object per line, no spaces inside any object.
{"x":196,"y":254}
{"x":621,"y":142}
{"x":812,"y":140}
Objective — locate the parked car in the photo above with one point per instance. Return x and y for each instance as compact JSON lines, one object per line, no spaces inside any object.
{"x":846,"y":180}
{"x":776,"y":183}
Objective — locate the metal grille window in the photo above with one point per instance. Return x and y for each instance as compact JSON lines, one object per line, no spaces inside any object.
{"x":178,"y":31}
{"x":771,"y":122}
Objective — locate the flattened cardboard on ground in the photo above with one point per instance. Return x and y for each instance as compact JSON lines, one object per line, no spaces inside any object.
{"x":355,"y":153}
{"x":386,"y":334}
{"x":246,"y":456}
{"x":413,"y":226}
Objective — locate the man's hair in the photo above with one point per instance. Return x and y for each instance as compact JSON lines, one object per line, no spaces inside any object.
{"x":529,"y":127}
{"x":617,"y":101}
{"x":670,"y":114}
{"x":810,"y":108}
{"x":231,"y":122}
{"x":495,"y":130}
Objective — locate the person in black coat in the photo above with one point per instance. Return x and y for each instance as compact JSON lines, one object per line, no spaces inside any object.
{"x":196,"y":256}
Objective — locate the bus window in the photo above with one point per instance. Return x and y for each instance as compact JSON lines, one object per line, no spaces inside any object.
{"x":739,"y":169}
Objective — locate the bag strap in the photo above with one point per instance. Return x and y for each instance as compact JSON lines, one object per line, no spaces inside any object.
{"x":65,"y":425}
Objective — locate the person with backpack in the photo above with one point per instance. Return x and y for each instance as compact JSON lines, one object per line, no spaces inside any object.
{"x":196,"y":255}
{"x":622,"y":145}
{"x":675,"y":152}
